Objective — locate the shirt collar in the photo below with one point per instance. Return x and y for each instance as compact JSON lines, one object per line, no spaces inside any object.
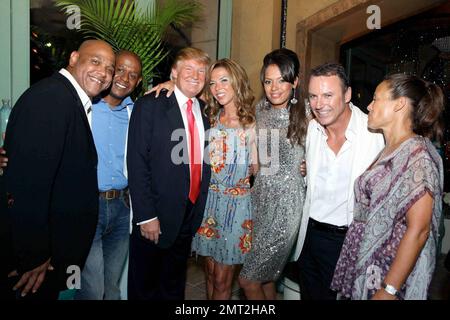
{"x":182,"y":99}
{"x":350,"y":132}
{"x":85,"y":100}
{"x":127,"y":102}
{"x":320,"y":128}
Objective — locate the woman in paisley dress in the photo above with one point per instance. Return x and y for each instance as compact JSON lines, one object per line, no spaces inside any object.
{"x":225,"y":234}
{"x":279,"y":190}
{"x":390,"y":248}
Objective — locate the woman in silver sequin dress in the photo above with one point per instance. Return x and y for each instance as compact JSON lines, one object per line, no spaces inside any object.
{"x":279,"y":190}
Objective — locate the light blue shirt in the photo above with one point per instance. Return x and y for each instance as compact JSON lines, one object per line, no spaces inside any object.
{"x":109,"y":128}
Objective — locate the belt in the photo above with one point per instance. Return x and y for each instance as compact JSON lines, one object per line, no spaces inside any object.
{"x":113,"y":194}
{"x":327,"y":227}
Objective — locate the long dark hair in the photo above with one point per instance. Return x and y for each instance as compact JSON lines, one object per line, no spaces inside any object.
{"x":427,"y":101}
{"x":287,"y":61}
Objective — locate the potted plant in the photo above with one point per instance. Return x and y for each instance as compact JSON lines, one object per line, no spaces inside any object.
{"x":128,"y":27}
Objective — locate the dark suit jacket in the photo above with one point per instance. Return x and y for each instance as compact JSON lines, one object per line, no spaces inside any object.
{"x":51,"y":179}
{"x":158,"y":186}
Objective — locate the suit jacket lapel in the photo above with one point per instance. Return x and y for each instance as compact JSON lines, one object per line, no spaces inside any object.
{"x":205,"y":119}
{"x":206,"y":126}
{"x":79,"y":106}
{"x":174,"y":114}
{"x":175,"y":119}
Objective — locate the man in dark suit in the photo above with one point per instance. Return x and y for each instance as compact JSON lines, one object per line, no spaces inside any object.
{"x":51,"y":177}
{"x":168,"y":181}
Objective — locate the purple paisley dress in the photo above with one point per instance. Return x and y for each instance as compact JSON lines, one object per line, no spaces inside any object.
{"x":384,"y":194}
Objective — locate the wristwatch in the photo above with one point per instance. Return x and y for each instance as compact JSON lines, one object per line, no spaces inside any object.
{"x":390,"y":289}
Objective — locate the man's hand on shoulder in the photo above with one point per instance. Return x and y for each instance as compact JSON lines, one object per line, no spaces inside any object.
{"x":168,"y":85}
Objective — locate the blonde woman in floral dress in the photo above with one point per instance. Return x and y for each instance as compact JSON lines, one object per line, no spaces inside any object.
{"x":224,"y":236}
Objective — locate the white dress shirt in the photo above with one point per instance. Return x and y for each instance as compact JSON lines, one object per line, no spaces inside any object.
{"x":85,"y":100}
{"x":328,"y":202}
{"x":182,"y":104}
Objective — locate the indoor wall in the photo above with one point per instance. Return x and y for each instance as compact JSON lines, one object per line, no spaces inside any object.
{"x":315,"y":29}
{"x":319,"y":36}
{"x":256,"y":31}
{"x":252,"y":35}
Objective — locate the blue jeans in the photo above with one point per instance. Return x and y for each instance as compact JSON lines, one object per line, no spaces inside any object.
{"x":100,"y":278}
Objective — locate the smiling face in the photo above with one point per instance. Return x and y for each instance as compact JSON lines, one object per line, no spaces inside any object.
{"x":328,"y":101}
{"x":92,"y":66}
{"x":190,"y":75}
{"x":127,"y":76}
{"x":220,"y":86}
{"x":277,"y":90}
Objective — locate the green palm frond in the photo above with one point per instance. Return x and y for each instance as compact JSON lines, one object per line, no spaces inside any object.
{"x":178,"y":13}
{"x":126,"y":27}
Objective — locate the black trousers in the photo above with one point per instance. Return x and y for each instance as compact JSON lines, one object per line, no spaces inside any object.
{"x":317,"y":262}
{"x":159,"y":274}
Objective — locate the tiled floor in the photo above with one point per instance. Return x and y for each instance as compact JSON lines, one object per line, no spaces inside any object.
{"x":196,"y":289}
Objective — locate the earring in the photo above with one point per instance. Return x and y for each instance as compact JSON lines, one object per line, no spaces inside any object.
{"x":308,"y":111}
{"x":293,"y":99}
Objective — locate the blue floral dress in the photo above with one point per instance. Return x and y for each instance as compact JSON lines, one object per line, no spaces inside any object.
{"x":226,"y":230}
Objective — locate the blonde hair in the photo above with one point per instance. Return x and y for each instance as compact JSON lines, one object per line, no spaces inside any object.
{"x":190,"y":53}
{"x":243,"y":95}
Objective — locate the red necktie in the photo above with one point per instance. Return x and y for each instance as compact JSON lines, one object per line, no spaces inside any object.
{"x":194,"y":155}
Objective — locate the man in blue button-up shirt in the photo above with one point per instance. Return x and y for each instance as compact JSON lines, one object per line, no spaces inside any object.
{"x":100,"y":277}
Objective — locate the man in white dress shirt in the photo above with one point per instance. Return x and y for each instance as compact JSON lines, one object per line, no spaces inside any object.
{"x":339,"y":148}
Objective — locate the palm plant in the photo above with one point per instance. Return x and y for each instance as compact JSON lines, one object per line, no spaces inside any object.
{"x":127,"y":27}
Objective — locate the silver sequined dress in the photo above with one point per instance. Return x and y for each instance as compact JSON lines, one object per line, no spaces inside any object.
{"x":277,"y":197}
